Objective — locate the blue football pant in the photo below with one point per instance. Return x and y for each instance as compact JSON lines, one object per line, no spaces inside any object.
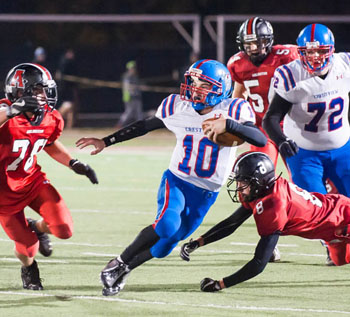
{"x":181,"y":209}
{"x":310,"y":169}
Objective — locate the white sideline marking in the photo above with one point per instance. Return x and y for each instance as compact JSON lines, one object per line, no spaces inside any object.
{"x":230,"y":307}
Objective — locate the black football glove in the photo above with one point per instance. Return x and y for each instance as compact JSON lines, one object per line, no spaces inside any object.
{"x":288,"y":148}
{"x":210,"y":285}
{"x":83,"y":169}
{"x":188,"y":248}
{"x":24,"y":104}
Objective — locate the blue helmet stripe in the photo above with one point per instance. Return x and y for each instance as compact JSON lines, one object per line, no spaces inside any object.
{"x":286,"y":85}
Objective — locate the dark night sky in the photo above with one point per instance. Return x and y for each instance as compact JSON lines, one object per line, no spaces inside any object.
{"x":102,"y":49}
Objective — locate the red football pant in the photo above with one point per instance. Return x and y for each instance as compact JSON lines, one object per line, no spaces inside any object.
{"x":272,"y":151}
{"x":339,"y":252}
{"x":51,"y":206}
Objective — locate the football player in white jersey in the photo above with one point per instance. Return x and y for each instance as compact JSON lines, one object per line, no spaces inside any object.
{"x":198,"y":166}
{"x":312,"y":97}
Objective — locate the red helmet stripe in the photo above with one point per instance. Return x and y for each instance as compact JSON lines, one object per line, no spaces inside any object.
{"x":312,"y":36}
{"x":202,"y":62}
{"x":44,"y":70}
{"x":250,"y":26}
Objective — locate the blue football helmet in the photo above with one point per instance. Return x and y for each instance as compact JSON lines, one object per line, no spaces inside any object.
{"x":208,"y":71}
{"x":316,"y":47}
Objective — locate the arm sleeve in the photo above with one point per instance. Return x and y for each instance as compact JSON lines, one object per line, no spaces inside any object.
{"x":227,"y":226}
{"x":134,"y":130}
{"x":278,"y":108}
{"x":254,"y":267}
{"x":246,"y":131}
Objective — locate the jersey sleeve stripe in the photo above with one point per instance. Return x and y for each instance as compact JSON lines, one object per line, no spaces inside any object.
{"x":290,"y":75}
{"x":238,"y":109}
{"x":286,"y":85}
{"x":164,"y":103}
{"x":232,"y":105}
{"x":171,"y":105}
{"x":348,"y":55}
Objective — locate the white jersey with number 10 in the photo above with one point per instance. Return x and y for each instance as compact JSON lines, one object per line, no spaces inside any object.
{"x":195,"y":158}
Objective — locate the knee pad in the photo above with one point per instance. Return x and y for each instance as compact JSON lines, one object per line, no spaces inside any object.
{"x":162,"y":248}
{"x":63,"y":231}
{"x":168,"y":224}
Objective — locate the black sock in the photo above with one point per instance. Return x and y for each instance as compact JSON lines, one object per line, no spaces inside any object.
{"x":144,"y":240}
{"x":140,"y":258}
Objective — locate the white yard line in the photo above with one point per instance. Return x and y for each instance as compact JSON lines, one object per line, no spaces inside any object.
{"x":223,"y":307}
{"x":208,"y":251}
{"x":254,"y":244}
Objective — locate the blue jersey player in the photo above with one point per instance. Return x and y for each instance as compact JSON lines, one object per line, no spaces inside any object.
{"x":198,"y":167}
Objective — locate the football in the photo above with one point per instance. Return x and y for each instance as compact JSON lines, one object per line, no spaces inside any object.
{"x":224,"y":139}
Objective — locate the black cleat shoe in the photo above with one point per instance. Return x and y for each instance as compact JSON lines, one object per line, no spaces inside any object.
{"x":113,"y":277}
{"x":45,"y":246}
{"x":31,"y":277}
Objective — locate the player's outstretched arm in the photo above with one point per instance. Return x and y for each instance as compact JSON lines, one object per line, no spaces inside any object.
{"x":131,"y":131}
{"x":99,"y":144}
{"x":60,"y":154}
{"x":254,"y":267}
{"x":221,"y":230}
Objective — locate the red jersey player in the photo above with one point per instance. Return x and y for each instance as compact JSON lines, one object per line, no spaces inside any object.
{"x":279,"y":208}
{"x":252,"y":69}
{"x":29,"y":124}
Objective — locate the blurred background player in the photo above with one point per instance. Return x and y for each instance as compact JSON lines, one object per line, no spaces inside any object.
{"x":68,"y":91}
{"x":40,"y":56}
{"x":198,"y":167}
{"x":312,"y":99}
{"x":131,"y":94}
{"x":29,"y":124}
{"x":252,"y":71}
{"x":280,"y":208}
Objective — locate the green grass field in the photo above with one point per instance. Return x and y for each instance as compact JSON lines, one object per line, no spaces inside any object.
{"x":108,"y":216}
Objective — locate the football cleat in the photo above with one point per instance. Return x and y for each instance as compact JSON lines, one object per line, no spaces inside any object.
{"x":276,"y":255}
{"x":329,"y":261}
{"x":113,"y":277}
{"x":45,"y":245}
{"x":31,"y":277}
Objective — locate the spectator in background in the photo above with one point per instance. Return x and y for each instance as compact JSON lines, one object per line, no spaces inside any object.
{"x":40,"y":56}
{"x":68,"y":91}
{"x":131,"y":96}
{"x":179,"y":72}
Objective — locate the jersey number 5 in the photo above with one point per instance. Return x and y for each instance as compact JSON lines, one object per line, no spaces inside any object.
{"x":22,"y":147}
